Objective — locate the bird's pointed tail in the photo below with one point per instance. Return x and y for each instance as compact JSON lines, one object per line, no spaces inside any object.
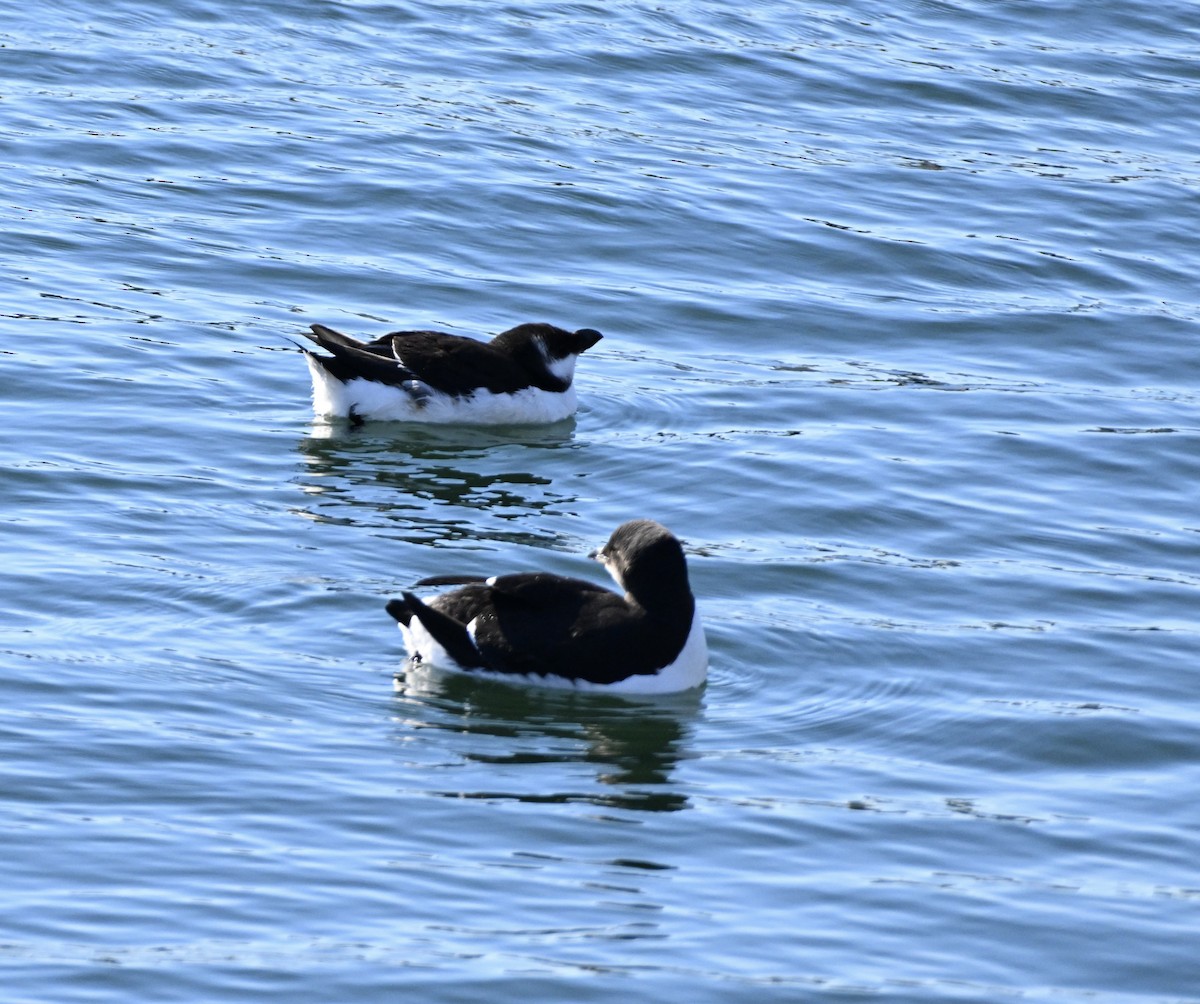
{"x":452,"y":635}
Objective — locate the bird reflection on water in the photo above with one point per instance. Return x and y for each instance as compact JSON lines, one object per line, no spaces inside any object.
{"x":430,"y":485}
{"x":631,"y":746}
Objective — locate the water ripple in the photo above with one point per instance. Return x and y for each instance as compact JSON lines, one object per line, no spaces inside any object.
{"x":900,"y":311}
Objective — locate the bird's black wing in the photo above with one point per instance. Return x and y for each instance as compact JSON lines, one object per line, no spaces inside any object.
{"x":450,"y":580}
{"x":454,"y":364}
{"x":550,"y":624}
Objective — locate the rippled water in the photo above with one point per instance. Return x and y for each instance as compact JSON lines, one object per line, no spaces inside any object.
{"x":901,"y":326}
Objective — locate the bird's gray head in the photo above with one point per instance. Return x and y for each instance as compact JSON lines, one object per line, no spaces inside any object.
{"x":646,"y":560}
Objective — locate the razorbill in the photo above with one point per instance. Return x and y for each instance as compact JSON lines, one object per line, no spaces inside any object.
{"x":523,"y":375}
{"x":552,"y":630}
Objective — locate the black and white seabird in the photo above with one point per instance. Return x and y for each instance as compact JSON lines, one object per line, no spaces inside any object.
{"x":524,"y":375}
{"x":548,"y":629}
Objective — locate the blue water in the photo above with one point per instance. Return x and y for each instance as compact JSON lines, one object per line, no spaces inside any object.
{"x":901,"y":323}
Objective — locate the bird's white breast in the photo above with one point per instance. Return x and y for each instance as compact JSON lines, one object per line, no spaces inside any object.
{"x":382,"y":402}
{"x":690,"y":669}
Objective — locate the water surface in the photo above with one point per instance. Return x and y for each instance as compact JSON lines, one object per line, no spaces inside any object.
{"x":900,"y":322}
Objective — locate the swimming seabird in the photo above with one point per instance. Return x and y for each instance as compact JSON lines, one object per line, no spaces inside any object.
{"x":524,"y":375}
{"x":549,"y":629}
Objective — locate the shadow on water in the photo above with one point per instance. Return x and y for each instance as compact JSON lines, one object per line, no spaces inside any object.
{"x":418,"y":482}
{"x":628,"y":747}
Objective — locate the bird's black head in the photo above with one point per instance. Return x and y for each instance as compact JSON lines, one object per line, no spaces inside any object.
{"x":547,"y":352}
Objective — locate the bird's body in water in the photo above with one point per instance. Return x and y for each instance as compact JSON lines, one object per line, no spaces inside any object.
{"x":524,"y":375}
{"x":553,"y":630}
